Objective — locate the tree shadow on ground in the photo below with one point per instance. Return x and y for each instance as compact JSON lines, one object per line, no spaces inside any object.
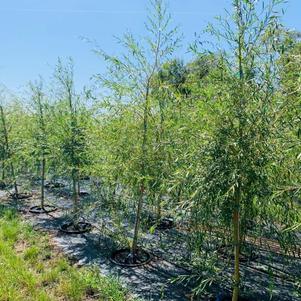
{"x":152,"y":281}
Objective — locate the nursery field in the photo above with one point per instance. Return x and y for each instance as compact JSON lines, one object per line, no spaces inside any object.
{"x":164,"y":179}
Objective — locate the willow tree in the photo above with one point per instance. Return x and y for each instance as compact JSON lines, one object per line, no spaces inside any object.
{"x":14,"y":134}
{"x":7,"y":152}
{"x":15,"y":130}
{"x":239,"y":153}
{"x":131,"y":82}
{"x":40,"y":136}
{"x":70,"y":130}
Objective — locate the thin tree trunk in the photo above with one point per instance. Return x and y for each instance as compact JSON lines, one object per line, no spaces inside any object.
{"x":161,"y":154}
{"x":3,"y":170}
{"x":75,"y":195}
{"x":137,"y":221}
{"x":38,"y":170}
{"x":236,"y":277}
{"x":159,"y":209}
{"x":236,"y":243}
{"x":78,"y":187}
{"x":14,"y":178}
{"x":43,"y":183}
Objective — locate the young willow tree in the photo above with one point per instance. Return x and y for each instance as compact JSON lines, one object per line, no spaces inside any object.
{"x":7,"y":152}
{"x":131,"y":81}
{"x":239,"y":153}
{"x":14,"y":137}
{"x":40,"y":134}
{"x":70,"y":123}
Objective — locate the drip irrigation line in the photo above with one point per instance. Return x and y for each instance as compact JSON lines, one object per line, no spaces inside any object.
{"x":286,"y":278}
{"x":274,"y":268}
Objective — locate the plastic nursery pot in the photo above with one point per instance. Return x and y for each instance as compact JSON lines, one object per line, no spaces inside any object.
{"x":21,"y":196}
{"x":84,"y":193}
{"x":40,"y":210}
{"x":227,"y":252}
{"x":125,"y":258}
{"x":165,"y":223}
{"x":52,"y":185}
{"x":76,"y":228}
{"x":2,"y":185}
{"x":228,"y":297}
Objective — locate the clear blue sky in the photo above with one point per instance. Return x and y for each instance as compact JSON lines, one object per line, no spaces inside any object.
{"x":35,"y":32}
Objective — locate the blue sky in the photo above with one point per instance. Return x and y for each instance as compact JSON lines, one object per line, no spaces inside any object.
{"x":35,"y":32}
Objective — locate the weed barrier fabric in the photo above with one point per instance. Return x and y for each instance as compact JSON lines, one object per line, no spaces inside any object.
{"x":40,"y":210}
{"x":125,"y":258}
{"x":76,"y":228}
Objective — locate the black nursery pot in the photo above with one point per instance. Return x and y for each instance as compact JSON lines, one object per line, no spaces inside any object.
{"x":21,"y":196}
{"x":226,"y":252}
{"x":228,"y":297}
{"x":40,"y":210}
{"x":52,"y":185}
{"x":84,"y":193}
{"x":2,"y":185}
{"x":125,"y":258}
{"x":165,"y":223}
{"x":76,"y":228}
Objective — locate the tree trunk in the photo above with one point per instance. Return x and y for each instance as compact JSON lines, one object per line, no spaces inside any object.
{"x":137,"y":221}
{"x":3,"y":170}
{"x":75,"y":195}
{"x":14,"y":179}
{"x":236,"y":243}
{"x":159,"y":209}
{"x":43,"y":183}
{"x":160,"y":156}
{"x":78,"y":187}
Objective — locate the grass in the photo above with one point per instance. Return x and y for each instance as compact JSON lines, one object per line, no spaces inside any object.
{"x":31,"y":270}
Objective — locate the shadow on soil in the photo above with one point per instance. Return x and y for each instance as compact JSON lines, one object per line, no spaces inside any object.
{"x":152,"y":281}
